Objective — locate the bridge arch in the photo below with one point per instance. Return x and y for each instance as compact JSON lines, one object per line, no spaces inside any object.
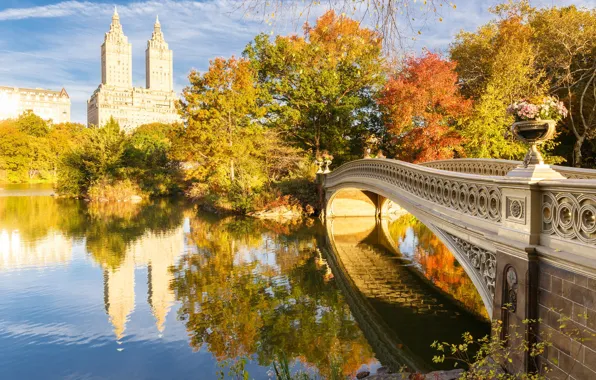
{"x":479,"y":263}
{"x":495,"y":221}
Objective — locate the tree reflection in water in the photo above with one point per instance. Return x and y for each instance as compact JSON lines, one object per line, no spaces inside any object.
{"x":108,"y":228}
{"x":247,"y":288}
{"x":251,"y":292}
{"x":436,"y":262}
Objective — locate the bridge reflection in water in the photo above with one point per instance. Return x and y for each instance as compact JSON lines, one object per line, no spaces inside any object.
{"x":404,"y":288}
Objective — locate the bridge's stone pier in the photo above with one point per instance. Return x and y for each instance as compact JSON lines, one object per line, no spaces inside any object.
{"x":528,"y":244}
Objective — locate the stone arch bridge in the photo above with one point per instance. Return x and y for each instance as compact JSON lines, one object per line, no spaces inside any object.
{"x":528,"y":244}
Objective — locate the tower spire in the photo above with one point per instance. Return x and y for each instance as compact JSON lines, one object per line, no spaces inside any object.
{"x":116,"y":64}
{"x":115,"y":26}
{"x":158,"y":61}
{"x":157,"y":35}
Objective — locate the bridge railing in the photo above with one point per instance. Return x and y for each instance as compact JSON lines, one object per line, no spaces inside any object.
{"x":561,"y":212}
{"x":568,"y":213}
{"x":485,"y":166}
{"x":469,"y":194}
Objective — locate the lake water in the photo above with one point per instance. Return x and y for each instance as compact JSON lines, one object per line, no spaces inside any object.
{"x":164,"y":291}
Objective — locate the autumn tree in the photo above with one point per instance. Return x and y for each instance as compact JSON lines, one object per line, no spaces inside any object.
{"x":223,"y":131}
{"x":98,"y":157}
{"x":527,"y":52}
{"x":565,"y":40}
{"x":423,"y":107}
{"x":15,"y":156}
{"x":496,"y":66}
{"x":29,"y":137}
{"x":321,"y":84}
{"x":33,"y":125}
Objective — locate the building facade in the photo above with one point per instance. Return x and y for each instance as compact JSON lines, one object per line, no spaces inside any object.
{"x":116,"y":97}
{"x":47,"y":104}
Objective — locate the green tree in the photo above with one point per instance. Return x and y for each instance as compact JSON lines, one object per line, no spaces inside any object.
{"x":32,"y":124}
{"x":147,"y":157}
{"x":62,"y":139}
{"x":321,"y":85}
{"x":14,"y":152}
{"x":496,"y":65}
{"x":40,"y":157}
{"x":223,"y":131}
{"x":98,"y":157}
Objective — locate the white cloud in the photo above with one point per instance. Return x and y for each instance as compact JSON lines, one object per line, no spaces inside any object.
{"x":63,"y":9}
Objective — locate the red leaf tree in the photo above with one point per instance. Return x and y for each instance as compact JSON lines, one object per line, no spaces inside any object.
{"x":422,"y":107}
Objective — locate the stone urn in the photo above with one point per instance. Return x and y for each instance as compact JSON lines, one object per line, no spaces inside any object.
{"x":319,"y":164}
{"x":534,"y":133}
{"x":327,"y":170}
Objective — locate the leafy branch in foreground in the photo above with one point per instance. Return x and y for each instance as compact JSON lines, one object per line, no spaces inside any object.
{"x":497,"y":351}
{"x":494,"y":353}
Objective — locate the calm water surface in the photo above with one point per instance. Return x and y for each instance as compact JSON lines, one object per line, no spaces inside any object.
{"x":162,"y":291}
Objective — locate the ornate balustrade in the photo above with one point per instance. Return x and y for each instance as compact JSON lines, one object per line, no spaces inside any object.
{"x":473,"y":195}
{"x":567,"y":208}
{"x":484,"y":166}
{"x":474,"y":166}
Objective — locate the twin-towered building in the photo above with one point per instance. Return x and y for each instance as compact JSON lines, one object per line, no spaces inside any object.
{"x":116,"y":97}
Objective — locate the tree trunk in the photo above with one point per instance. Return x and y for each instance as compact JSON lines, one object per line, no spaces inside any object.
{"x":317,"y":141}
{"x":577,"y":152}
{"x":232,"y":174}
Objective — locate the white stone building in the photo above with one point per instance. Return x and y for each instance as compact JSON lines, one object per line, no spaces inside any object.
{"x":47,"y":104}
{"x":116,"y":97}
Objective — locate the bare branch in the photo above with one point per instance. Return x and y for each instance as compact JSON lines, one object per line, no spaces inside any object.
{"x":395,"y":20}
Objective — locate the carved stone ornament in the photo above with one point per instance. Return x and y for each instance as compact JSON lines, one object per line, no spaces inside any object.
{"x":516,"y":210}
{"x":477,"y":198}
{"x":319,"y":164}
{"x":570,"y":216}
{"x":484,"y":262}
{"x":511,"y":295}
{"x":327,"y":170}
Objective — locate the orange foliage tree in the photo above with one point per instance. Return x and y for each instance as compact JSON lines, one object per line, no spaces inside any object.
{"x":321,"y":84}
{"x":422,"y":107}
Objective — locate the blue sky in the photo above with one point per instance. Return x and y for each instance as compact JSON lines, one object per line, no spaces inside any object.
{"x":54,"y":44}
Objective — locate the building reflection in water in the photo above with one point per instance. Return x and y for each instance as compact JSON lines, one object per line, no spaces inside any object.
{"x":16,"y":253}
{"x":158,"y":252}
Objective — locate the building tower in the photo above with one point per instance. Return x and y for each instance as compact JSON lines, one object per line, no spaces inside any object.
{"x":119,"y":294}
{"x":159,"y":61}
{"x":116,"y":56}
